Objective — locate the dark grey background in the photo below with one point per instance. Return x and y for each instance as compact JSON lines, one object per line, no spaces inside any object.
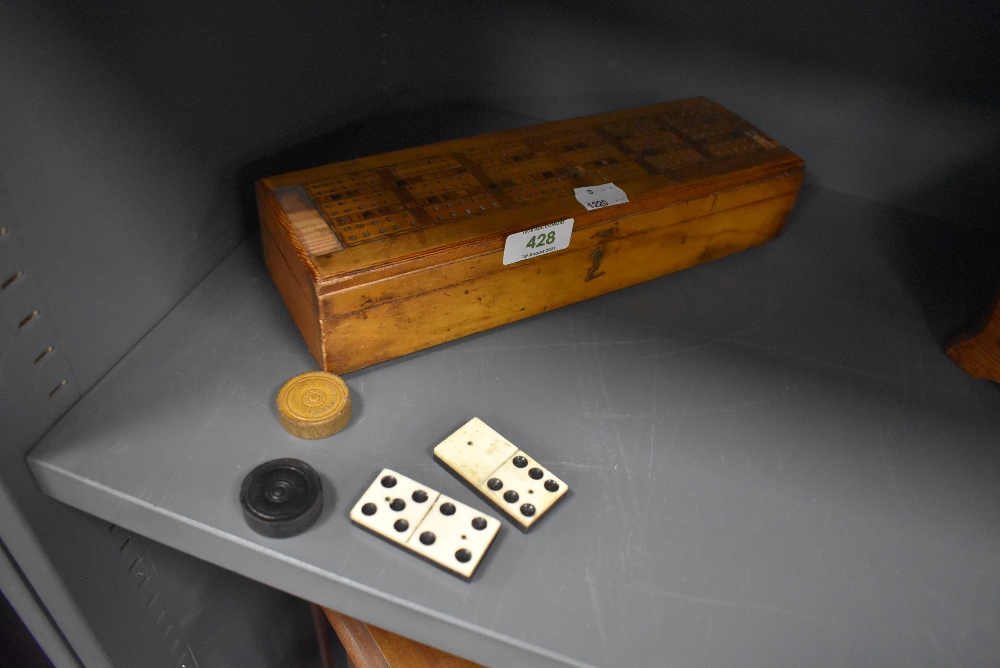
{"x":130,"y":134}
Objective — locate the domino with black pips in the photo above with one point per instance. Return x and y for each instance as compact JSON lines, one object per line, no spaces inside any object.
{"x":435,"y":527}
{"x":503,"y":474}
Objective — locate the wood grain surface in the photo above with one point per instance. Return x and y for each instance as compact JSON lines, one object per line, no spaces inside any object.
{"x":386,"y":255}
{"x":369,"y":646}
{"x":979,"y":353}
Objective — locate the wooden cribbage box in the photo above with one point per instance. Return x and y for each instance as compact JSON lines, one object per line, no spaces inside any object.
{"x":382,"y":256}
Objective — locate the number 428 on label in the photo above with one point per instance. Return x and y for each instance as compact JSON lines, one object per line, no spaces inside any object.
{"x":540,"y":240}
{"x":537,"y":241}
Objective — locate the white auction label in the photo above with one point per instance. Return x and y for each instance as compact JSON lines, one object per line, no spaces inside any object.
{"x":538,"y":241}
{"x":598,"y":197}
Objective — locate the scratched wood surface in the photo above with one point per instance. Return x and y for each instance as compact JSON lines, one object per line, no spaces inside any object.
{"x":385,"y":255}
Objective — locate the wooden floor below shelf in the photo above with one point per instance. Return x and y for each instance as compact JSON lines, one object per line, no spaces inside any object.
{"x":369,"y":646}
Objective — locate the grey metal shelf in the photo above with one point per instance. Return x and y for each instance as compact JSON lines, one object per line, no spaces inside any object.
{"x":770,"y":462}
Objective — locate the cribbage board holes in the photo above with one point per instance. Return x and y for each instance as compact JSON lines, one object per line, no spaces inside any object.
{"x":525,"y":172}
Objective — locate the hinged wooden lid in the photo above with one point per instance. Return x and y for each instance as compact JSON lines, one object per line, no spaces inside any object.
{"x":401,"y":211}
